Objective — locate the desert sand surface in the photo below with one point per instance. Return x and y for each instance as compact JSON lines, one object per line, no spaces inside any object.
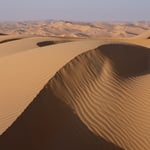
{"x":7,"y":48}
{"x":75,"y":29}
{"x":75,"y":93}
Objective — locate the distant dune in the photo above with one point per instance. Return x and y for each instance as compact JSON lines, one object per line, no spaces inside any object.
{"x":75,"y":29}
{"x":74,"y":93}
{"x":144,"y":35}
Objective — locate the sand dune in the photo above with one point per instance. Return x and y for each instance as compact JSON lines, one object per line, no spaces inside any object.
{"x":144,"y":35}
{"x":87,"y":94}
{"x":75,"y":29}
{"x":24,"y":74}
{"x":49,"y":124}
{"x":27,"y":44}
{"x":111,"y":97}
{"x":8,"y":38}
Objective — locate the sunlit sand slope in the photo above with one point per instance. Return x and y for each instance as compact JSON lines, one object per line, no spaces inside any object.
{"x":24,"y":74}
{"x":13,"y":47}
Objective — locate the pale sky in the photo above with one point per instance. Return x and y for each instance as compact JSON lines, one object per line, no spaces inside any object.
{"x":75,"y":10}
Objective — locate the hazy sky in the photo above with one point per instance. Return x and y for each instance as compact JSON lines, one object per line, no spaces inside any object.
{"x":77,"y":10}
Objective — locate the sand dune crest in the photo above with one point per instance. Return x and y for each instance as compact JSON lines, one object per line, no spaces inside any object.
{"x":110,"y":93}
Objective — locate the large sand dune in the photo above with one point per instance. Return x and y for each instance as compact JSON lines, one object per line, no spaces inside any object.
{"x":111,"y":97}
{"x":86,"y":94}
{"x":24,"y":74}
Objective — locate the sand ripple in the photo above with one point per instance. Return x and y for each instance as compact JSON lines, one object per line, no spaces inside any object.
{"x":108,"y":88}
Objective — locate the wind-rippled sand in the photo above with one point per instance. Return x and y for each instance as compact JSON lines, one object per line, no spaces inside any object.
{"x":80,"y":94}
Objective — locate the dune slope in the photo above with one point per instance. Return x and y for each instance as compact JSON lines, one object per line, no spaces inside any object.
{"x":105,"y":90}
{"x":16,"y":46}
{"x":49,"y":124}
{"x":111,"y":97}
{"x":25,"y":73}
